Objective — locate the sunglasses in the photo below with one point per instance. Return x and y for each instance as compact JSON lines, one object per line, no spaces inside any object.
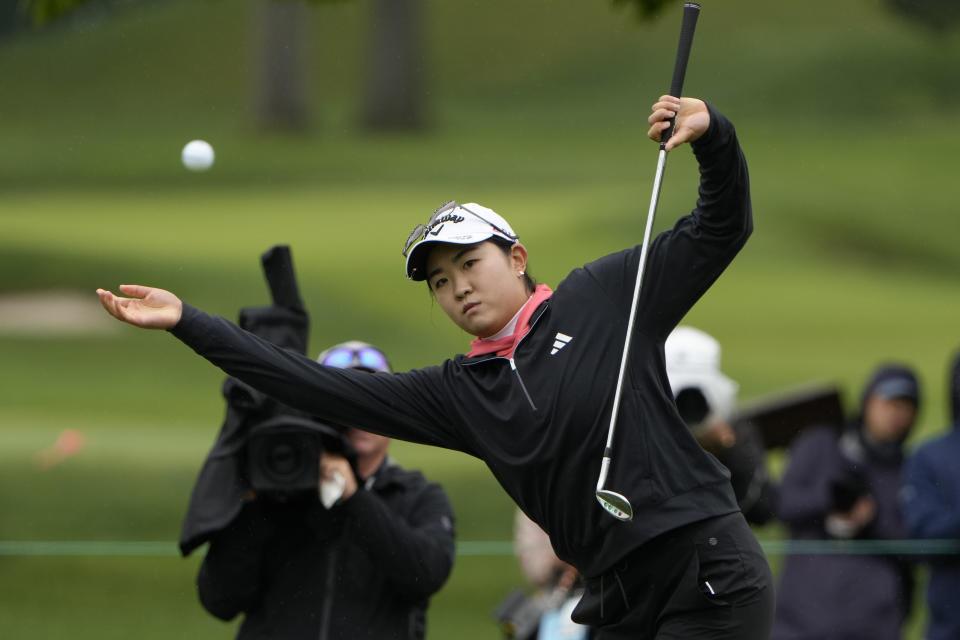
{"x":421,"y":230}
{"x":364,"y":357}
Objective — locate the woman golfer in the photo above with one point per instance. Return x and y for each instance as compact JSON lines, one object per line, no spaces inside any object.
{"x":533,"y":397}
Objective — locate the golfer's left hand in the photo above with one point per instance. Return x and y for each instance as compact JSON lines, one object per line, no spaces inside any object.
{"x":147,"y":307}
{"x":693,"y":119}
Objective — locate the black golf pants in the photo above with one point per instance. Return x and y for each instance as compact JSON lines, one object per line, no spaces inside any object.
{"x":704,"y":581}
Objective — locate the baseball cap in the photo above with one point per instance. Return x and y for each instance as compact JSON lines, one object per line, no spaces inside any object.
{"x":693,"y":364}
{"x":898,"y":387}
{"x":453,"y":223}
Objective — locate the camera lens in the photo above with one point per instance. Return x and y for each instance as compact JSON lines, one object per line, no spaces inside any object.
{"x":284,"y":460}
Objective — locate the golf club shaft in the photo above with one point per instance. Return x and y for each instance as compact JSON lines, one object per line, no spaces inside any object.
{"x":617,"y":394}
{"x":691,"y":11}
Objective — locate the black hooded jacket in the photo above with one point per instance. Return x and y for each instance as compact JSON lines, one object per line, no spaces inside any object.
{"x":539,"y":420}
{"x":840,"y":596}
{"x":364,"y":569}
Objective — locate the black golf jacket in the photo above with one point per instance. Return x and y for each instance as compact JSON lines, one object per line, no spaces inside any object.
{"x":539,"y":421}
{"x":364,"y":569}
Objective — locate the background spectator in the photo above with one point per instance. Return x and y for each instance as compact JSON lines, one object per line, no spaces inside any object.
{"x":706,"y":399}
{"x":841,"y":486}
{"x":544,"y":615}
{"x":931,"y":508}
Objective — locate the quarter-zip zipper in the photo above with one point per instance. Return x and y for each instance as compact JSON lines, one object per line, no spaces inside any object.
{"x":523,"y":387}
{"x":513,"y":365}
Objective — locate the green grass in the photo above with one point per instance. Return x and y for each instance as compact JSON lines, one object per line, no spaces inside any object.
{"x":849,"y":125}
{"x":114,"y":597}
{"x":155,"y":598}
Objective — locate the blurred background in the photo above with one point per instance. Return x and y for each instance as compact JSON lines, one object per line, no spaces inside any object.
{"x":337,"y":127}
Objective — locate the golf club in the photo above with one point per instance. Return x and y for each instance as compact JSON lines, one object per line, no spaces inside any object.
{"x":616,"y":504}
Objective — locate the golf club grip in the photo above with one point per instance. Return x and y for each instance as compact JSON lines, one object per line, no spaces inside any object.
{"x":691,"y":11}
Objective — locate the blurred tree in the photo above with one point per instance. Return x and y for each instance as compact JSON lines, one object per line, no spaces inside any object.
{"x":394,"y":91}
{"x":11,"y":18}
{"x":937,"y":15}
{"x":279,"y":84}
{"x":646,"y":9}
{"x":43,"y":11}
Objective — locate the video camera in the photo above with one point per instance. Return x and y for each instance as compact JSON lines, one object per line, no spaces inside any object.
{"x":282,"y":454}
{"x":263,"y":445}
{"x":282,"y":451}
{"x":277,"y":449}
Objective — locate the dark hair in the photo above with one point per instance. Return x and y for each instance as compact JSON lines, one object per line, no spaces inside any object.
{"x":505,"y":245}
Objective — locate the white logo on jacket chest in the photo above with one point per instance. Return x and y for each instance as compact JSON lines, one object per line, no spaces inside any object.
{"x":559,"y":342}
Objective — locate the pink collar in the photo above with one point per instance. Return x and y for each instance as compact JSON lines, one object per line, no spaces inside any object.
{"x":505,"y":346}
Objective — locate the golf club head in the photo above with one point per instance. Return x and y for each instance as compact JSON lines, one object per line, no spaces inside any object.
{"x":615,"y":504}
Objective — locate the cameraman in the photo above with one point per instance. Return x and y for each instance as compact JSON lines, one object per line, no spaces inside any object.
{"x":364,"y":568}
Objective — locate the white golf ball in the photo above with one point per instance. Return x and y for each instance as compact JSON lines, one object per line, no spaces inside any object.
{"x":197,"y":155}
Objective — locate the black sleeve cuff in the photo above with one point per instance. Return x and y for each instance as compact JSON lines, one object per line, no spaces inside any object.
{"x":187,"y":316}
{"x":717,"y":135}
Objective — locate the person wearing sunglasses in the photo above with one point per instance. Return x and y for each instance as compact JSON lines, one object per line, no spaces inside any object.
{"x":533,"y":396}
{"x":362,"y":561}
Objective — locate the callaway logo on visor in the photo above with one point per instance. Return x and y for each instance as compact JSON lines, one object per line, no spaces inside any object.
{"x":443,"y":214}
{"x":455,"y":223}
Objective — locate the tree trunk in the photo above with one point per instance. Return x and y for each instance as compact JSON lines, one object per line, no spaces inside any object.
{"x":12,"y":19}
{"x":280,"y":95}
{"x":393,"y":91}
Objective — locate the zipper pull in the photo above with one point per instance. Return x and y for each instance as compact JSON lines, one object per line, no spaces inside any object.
{"x":523,"y":387}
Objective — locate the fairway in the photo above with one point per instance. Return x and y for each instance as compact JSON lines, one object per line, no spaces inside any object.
{"x":850,"y":130}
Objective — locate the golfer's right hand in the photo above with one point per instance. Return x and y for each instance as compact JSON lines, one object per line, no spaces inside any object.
{"x":146,"y":307}
{"x":692,"y":120}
